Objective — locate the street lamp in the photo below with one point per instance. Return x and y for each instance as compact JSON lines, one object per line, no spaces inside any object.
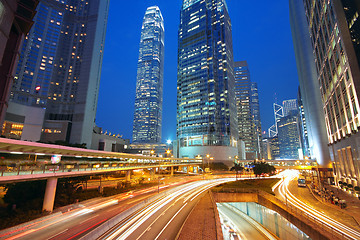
{"x":168,"y":151}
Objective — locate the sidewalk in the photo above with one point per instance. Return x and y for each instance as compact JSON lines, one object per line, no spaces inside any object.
{"x":202,"y":222}
{"x":349,"y":216}
{"x":352,"y":202}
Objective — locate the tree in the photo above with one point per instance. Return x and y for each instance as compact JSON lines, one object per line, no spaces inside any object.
{"x":25,"y":195}
{"x":263,"y":168}
{"x":237,"y":168}
{"x":66,"y":189}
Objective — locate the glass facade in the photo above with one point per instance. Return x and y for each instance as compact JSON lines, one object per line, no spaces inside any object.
{"x":75,"y":80}
{"x":248,"y":110}
{"x":33,"y":73}
{"x":149,"y":82}
{"x":206,"y":106}
{"x":60,"y":65}
{"x":289,"y":105}
{"x":289,"y":136}
{"x":303,"y":127}
{"x":255,"y":113}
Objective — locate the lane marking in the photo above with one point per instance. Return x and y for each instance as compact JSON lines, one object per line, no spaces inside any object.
{"x":89,"y":219}
{"x":58,"y":234}
{"x":170,"y":221}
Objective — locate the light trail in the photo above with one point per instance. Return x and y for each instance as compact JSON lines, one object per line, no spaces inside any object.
{"x":186,"y":192}
{"x":319,"y":216}
{"x":91,"y":206}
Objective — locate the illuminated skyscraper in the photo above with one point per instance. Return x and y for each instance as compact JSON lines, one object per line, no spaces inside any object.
{"x":329,"y":31}
{"x":243,"y":98}
{"x":289,"y":105}
{"x":149,"y":82}
{"x":255,"y":113}
{"x":206,"y":107}
{"x":33,"y":74}
{"x":60,"y":67}
{"x":289,"y":136}
{"x":248,"y":110}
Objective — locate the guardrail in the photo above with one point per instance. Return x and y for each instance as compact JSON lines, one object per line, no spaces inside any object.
{"x":290,"y":209}
{"x":42,"y":169}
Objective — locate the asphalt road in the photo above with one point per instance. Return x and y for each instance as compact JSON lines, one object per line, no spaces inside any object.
{"x":163,"y":218}
{"x":300,"y":200}
{"x":81,"y":218}
{"x":240,"y":227}
{"x":76,"y":222}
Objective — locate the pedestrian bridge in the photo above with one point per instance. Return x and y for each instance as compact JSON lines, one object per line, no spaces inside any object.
{"x":297,"y":164}
{"x":23,"y":161}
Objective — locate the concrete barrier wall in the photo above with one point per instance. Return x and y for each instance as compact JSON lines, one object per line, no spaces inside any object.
{"x":303,"y":222}
{"x":235,"y":197}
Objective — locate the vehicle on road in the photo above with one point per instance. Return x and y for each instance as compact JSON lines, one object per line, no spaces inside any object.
{"x":301,"y":181}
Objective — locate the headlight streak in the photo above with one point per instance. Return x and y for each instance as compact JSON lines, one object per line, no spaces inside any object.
{"x":259,"y":227}
{"x":170,"y":221}
{"x":319,"y":216}
{"x":125,"y":230}
{"x":233,"y":226}
{"x":131,"y":225}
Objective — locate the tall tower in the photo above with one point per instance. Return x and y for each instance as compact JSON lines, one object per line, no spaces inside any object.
{"x":243,"y":103}
{"x":149,"y":82}
{"x":206,"y":107}
{"x":289,"y":105}
{"x":248,"y":110}
{"x":60,"y":67}
{"x":37,"y":59}
{"x":332,"y":32}
{"x":289,"y":136}
{"x":255,"y":113}
{"x":15,"y":22}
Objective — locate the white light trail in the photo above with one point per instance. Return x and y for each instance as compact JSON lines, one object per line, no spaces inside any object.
{"x":319,"y":216}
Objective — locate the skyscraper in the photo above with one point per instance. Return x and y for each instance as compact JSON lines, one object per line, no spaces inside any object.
{"x":34,"y":71}
{"x":309,"y":86}
{"x":243,"y":103}
{"x":248,"y":110}
{"x":289,"y":105}
{"x":15,"y":22}
{"x":289,"y":136}
{"x":60,"y":67}
{"x":206,"y":107}
{"x":333,"y":28}
{"x":304,"y":139}
{"x":149,"y":82}
{"x":255,"y":112}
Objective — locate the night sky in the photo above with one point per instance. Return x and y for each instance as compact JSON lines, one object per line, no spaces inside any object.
{"x":261,"y":36}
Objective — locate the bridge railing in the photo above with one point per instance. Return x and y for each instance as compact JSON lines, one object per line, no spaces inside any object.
{"x":11,"y":170}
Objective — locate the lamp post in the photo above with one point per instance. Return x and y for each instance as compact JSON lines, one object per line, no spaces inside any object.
{"x":208,"y":163}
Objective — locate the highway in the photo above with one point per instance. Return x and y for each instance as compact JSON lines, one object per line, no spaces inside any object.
{"x":163,"y":218}
{"x":318,"y":216}
{"x":240,"y":226}
{"x":74,"y":223}
{"x":95,"y":214}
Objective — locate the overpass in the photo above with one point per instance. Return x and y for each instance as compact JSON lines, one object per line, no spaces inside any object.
{"x":298,"y":164}
{"x":26,"y":161}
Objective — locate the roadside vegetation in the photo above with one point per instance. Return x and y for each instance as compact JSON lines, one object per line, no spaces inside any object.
{"x":258,"y":184}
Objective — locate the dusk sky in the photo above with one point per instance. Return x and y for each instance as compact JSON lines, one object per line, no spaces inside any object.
{"x":261,"y":36}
